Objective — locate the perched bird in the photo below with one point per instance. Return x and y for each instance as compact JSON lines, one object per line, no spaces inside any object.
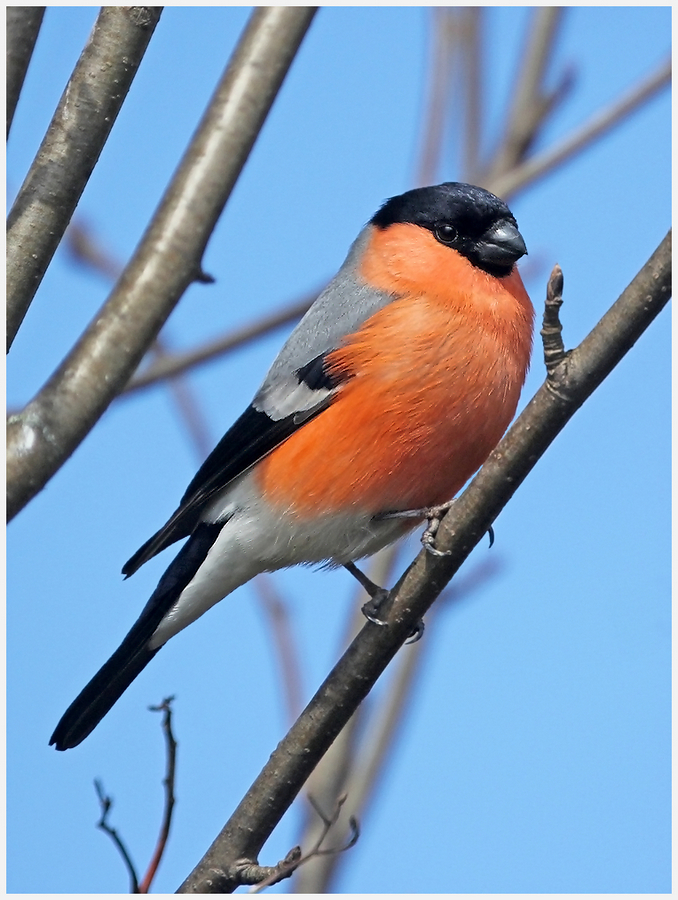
{"x":393,"y":389}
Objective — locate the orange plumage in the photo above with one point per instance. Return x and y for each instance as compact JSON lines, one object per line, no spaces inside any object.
{"x":436,"y":377}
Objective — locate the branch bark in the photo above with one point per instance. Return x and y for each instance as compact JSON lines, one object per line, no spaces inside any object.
{"x":568,"y":385}
{"x":75,"y":138}
{"x":23,"y":27}
{"x":42,"y":437}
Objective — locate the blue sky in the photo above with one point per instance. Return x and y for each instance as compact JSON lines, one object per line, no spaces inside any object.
{"x":536,"y":757}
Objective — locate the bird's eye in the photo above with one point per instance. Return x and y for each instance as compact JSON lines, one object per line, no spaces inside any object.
{"x":446,"y":234}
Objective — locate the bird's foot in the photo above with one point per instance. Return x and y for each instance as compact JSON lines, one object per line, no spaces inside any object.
{"x":378,"y":595}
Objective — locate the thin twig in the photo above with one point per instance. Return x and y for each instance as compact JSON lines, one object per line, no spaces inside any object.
{"x":106,"y":804}
{"x":276,"y":610}
{"x":461,"y":529}
{"x":87,"y":251}
{"x":472,"y":21}
{"x":168,"y":782}
{"x":531,"y":103}
{"x":443,"y":37}
{"x":181,"y":361}
{"x":54,"y":423}
{"x":285,"y":869}
{"x":533,"y":169}
{"x":76,"y":136}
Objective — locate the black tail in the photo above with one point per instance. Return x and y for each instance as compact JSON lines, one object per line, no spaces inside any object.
{"x":107,"y":686}
{"x":134,"y":654}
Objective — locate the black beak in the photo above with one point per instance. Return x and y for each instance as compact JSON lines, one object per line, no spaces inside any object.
{"x":502,"y":244}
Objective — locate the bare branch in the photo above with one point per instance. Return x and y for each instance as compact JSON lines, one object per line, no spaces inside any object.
{"x":317,"y":851}
{"x":359,"y":774}
{"x":75,"y":138}
{"x":472,"y":46}
{"x":276,"y":611}
{"x":530,"y":171}
{"x":23,"y":27}
{"x":461,"y":529}
{"x":531,"y":104}
{"x":443,"y":36}
{"x":53,"y":424}
{"x":106,"y":804}
{"x":180,"y":362}
{"x":168,"y":782}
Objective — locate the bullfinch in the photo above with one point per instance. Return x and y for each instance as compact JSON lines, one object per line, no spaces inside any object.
{"x":388,"y":395}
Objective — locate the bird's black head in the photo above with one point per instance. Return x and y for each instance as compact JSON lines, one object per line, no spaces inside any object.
{"x":466,"y":218}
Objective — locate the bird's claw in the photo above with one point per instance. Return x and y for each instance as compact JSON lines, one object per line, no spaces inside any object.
{"x":417,"y":633}
{"x":371,"y":609}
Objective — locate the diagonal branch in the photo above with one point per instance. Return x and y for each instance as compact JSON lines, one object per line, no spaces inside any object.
{"x":23,"y":27}
{"x":176,"y":363}
{"x":75,"y":138}
{"x":531,"y":104}
{"x":530,"y":171}
{"x":53,"y":424}
{"x":574,"y":379}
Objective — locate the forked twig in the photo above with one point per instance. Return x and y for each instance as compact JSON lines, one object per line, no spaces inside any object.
{"x":168,"y":782}
{"x":106,"y":804}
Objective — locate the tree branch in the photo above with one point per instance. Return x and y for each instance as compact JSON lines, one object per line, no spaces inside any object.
{"x":75,"y":138}
{"x":47,"y":431}
{"x":575,"y":379}
{"x":23,"y":27}
{"x":530,"y":171}
{"x":168,"y":782}
{"x":531,"y":104}
{"x":179,"y":362}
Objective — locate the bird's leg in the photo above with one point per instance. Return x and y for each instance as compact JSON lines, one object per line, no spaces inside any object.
{"x":377,"y":596}
{"x":433,"y":515}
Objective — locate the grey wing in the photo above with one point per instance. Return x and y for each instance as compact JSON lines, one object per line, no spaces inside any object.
{"x":340,"y":310}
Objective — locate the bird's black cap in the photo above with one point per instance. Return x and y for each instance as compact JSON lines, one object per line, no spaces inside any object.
{"x":466,"y":218}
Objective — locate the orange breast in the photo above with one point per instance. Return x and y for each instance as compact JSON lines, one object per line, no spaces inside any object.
{"x":436,"y":377}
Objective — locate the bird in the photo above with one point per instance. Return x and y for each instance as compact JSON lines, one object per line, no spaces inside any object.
{"x":389,"y":394}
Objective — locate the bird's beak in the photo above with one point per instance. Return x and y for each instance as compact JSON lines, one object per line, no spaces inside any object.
{"x":502,"y":244}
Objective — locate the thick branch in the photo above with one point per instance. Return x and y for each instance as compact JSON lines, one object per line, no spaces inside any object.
{"x":23,"y":26}
{"x":473,"y":513}
{"x":76,"y":136}
{"x":47,"y":431}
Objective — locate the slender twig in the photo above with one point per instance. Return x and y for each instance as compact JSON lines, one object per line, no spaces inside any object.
{"x":168,"y":782}
{"x":43,"y":436}
{"x":531,"y":104}
{"x":443,"y":38}
{"x":88,"y":252}
{"x":461,"y":529}
{"x":287,"y":867}
{"x":106,"y":804}
{"x":287,"y":652}
{"x":189,"y":359}
{"x":473,"y":46}
{"x":533,"y":169}
{"x":76,"y":136}
{"x":23,"y":27}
